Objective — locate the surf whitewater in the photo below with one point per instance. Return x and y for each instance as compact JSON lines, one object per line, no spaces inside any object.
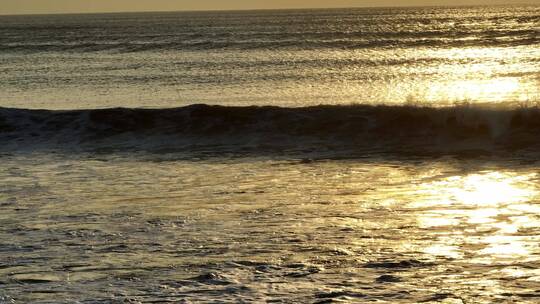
{"x":267,"y":129}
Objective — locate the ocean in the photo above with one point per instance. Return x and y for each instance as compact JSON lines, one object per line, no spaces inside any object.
{"x":287,"y":58}
{"x":385,"y":155}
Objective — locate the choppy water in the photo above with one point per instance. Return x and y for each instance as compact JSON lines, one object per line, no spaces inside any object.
{"x":147,"y":229}
{"x":289,"y":58}
{"x":223,"y":204}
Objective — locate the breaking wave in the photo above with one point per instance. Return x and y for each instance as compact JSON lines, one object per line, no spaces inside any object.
{"x":465,"y":130}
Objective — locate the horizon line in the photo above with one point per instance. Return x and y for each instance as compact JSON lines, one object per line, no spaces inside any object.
{"x":261,"y":9}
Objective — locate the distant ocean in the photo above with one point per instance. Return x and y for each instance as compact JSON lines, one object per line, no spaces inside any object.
{"x":384,"y":155}
{"x":287,"y":58}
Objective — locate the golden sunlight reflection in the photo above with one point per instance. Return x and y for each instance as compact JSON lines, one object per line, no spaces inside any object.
{"x":493,"y":188}
{"x":491,"y":90}
{"x":504,"y":245}
{"x":444,"y":250}
{"x":483,"y":189}
{"x":478,"y":80}
{"x":488,"y":211}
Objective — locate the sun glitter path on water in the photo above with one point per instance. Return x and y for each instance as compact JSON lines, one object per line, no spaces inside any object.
{"x":484,"y":213}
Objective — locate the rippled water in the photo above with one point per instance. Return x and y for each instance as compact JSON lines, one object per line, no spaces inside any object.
{"x":394,"y":204}
{"x":288,"y":58}
{"x":167,"y":229}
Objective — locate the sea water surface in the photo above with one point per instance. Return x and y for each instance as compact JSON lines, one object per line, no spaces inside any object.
{"x":289,"y":58}
{"x":280,"y":191}
{"x":162,"y":229}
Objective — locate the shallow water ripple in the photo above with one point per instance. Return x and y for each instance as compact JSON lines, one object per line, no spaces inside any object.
{"x":144,"y":230}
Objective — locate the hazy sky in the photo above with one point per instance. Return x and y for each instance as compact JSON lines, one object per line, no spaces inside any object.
{"x":72,"y":6}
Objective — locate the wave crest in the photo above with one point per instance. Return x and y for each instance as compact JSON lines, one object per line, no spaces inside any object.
{"x":362,"y":128}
